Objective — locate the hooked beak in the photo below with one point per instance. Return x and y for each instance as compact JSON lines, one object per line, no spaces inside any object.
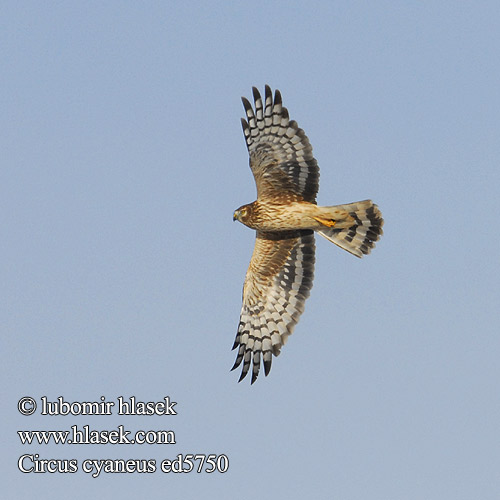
{"x":235,"y":215}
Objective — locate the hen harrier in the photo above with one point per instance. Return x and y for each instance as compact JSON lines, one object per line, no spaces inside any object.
{"x":285,"y":216}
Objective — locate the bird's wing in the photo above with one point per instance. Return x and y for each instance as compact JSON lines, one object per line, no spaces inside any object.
{"x":281,"y":156}
{"x":277,"y":283}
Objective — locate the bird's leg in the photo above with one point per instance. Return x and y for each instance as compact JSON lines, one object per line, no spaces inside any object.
{"x":325,"y":222}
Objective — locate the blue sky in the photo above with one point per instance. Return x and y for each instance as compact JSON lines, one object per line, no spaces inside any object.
{"x":122,"y":162}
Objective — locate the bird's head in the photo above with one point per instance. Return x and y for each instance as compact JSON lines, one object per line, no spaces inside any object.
{"x":243,"y":214}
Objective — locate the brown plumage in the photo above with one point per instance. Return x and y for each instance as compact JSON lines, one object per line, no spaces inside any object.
{"x":285,"y":216}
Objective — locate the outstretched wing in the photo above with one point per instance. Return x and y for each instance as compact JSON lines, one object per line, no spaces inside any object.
{"x":277,"y":283}
{"x":281,"y":156}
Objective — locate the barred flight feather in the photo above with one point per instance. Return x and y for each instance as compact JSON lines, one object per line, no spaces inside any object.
{"x":360,"y":237}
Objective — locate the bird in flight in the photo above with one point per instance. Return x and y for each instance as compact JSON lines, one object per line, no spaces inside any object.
{"x":285,"y":217}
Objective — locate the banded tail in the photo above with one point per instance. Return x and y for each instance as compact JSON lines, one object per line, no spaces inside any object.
{"x":358,"y":231}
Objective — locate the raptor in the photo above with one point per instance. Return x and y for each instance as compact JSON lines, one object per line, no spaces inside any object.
{"x":285,"y":217}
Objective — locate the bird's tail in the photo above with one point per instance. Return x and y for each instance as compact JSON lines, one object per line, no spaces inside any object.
{"x":354,"y":227}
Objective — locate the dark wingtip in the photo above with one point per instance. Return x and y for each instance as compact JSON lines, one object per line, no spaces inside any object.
{"x":256,"y":94}
{"x":256,"y":368}
{"x":267,"y":367}
{"x":277,"y":97}
{"x":236,"y":363}
{"x":246,"y":103}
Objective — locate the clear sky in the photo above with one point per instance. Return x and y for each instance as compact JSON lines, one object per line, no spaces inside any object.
{"x":122,"y":160}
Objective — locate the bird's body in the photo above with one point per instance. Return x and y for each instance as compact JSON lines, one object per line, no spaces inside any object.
{"x":271,"y":216}
{"x":285,"y":217}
